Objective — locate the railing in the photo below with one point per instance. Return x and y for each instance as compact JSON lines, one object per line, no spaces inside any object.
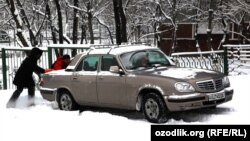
{"x":210,"y":60}
{"x":233,"y":58}
{"x":12,"y":57}
{"x":238,"y":52}
{"x":238,"y":59}
{"x":67,"y":49}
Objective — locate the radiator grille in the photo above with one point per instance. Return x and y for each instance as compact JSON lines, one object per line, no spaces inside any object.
{"x":210,"y":84}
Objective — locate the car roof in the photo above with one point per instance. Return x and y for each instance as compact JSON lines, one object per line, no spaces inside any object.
{"x":113,"y":50}
{"x":116,"y":50}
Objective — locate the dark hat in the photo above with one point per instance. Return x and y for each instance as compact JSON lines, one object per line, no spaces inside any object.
{"x":35,"y":51}
{"x":66,"y":56}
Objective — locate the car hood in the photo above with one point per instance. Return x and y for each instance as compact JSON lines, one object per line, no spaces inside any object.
{"x":182,"y":73}
{"x":57,"y":72}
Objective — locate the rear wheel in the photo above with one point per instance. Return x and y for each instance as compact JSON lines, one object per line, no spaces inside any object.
{"x":66,"y":101}
{"x":154,"y":108}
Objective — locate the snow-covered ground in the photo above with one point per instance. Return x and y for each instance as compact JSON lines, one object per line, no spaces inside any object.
{"x":44,"y":122}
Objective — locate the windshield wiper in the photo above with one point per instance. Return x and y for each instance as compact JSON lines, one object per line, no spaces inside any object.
{"x":156,"y":65}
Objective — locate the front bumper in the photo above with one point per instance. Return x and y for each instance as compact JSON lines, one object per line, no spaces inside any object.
{"x":48,"y":93}
{"x":198,"y":100}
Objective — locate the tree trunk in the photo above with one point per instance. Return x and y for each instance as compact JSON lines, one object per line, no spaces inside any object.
{"x":174,"y":47}
{"x":83,"y":36}
{"x":90,"y":25}
{"x":225,"y":37}
{"x":209,"y":29}
{"x":117,"y":22}
{"x":60,"y":24}
{"x":33,"y":40}
{"x":19,"y":24}
{"x":196,"y":36}
{"x":242,"y":30}
{"x":52,"y":28}
{"x":75,"y":26}
{"x":123,"y":23}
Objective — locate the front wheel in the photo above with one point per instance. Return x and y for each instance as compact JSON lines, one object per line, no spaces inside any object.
{"x":154,"y":108}
{"x":66,"y":102}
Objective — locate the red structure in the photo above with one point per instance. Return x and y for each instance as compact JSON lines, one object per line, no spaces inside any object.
{"x":186,"y":41}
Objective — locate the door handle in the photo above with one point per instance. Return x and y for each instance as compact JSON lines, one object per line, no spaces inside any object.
{"x":101,"y":77}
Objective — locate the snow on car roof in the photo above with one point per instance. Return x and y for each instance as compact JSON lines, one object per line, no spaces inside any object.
{"x":119,"y":49}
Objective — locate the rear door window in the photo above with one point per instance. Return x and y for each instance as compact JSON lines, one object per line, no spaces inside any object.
{"x":107,"y":62}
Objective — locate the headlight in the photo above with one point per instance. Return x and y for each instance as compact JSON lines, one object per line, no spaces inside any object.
{"x":226,"y":82}
{"x":184,"y":87}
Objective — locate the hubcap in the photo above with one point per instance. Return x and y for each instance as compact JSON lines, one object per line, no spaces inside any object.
{"x":66,"y":102}
{"x":152,"y":109}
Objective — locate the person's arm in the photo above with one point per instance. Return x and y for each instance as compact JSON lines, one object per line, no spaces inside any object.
{"x":38,"y":71}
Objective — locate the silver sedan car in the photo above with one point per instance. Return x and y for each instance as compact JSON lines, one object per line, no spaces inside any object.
{"x":135,"y":77}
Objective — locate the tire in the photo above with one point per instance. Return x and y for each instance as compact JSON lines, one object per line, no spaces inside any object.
{"x":154,"y":108}
{"x":66,"y":102}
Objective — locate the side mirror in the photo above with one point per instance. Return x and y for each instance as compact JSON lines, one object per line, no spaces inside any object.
{"x":174,"y":61}
{"x":115,"y":69}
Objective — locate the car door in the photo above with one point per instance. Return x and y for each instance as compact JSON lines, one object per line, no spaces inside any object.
{"x":111,"y":86}
{"x":84,"y":80}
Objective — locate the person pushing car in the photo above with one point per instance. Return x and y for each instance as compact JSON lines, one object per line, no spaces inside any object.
{"x":23,"y":78}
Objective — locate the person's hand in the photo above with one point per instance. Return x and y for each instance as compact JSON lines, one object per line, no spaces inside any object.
{"x":48,"y":70}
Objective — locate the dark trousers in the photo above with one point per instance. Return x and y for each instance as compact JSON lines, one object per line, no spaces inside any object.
{"x":18,"y":91}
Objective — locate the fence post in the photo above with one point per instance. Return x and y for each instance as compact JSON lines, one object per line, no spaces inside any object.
{"x":4,"y":69}
{"x":225,"y":60}
{"x":50,"y":56}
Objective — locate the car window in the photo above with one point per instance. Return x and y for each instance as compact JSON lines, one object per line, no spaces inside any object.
{"x":89,"y":63}
{"x":107,"y":62}
{"x":157,"y":58}
{"x":145,"y":58}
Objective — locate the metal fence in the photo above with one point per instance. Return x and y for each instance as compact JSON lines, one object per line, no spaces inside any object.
{"x":238,"y":52}
{"x":67,"y":49}
{"x":238,"y":59}
{"x":229,"y":60}
{"x":12,"y":57}
{"x":233,"y":60}
{"x":209,"y":60}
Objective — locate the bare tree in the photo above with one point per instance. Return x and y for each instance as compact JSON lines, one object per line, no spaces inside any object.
{"x":75,"y":25}
{"x":209,"y":29}
{"x":120,"y":22}
{"x":18,"y":21}
{"x":60,"y":22}
{"x":50,"y":21}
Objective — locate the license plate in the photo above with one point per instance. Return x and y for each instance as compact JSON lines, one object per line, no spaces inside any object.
{"x":216,"y":96}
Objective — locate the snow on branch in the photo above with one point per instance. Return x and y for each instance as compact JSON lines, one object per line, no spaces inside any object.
{"x":67,"y":39}
{"x":153,"y":33}
{"x":102,"y":9}
{"x":103,"y":24}
{"x":3,"y":6}
{"x":239,"y":34}
{"x":167,"y":17}
{"x":74,"y":7}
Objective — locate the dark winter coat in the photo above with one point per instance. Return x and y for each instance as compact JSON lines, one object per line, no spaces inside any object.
{"x":29,"y":65}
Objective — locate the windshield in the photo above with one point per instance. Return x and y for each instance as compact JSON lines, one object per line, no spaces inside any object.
{"x":144,"y":59}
